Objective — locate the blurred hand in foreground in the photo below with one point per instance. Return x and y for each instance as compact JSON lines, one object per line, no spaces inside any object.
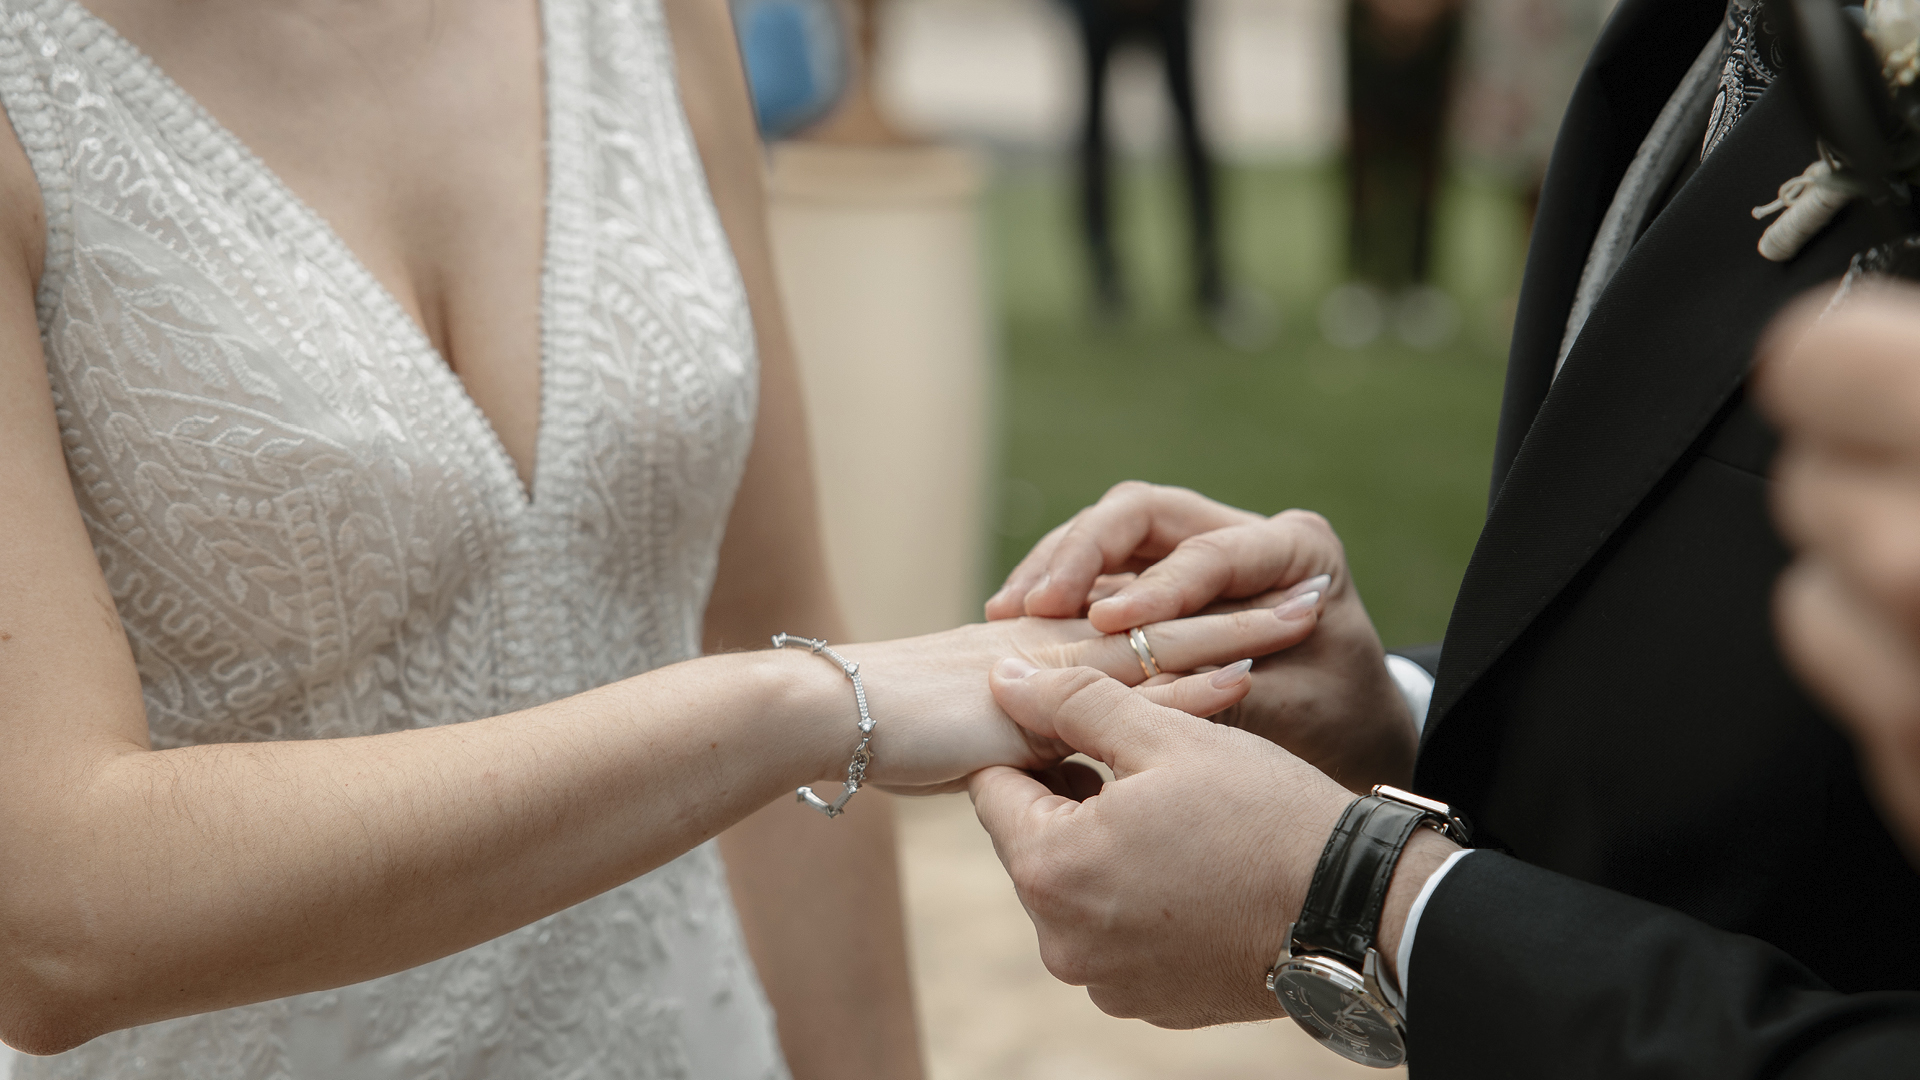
{"x":1166,"y":892}
{"x":1146,"y":553}
{"x":1845,"y":391}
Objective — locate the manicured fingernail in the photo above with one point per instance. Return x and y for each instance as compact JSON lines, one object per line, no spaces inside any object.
{"x":1230,"y":674}
{"x":1297,"y":607}
{"x":1317,"y":583}
{"x":1015,"y":668}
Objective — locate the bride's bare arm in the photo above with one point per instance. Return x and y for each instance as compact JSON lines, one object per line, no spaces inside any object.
{"x":819,"y":900}
{"x":139,"y":884}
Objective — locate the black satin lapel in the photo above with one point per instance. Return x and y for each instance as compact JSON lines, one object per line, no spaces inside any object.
{"x":1667,"y":344}
{"x":1640,"y":57}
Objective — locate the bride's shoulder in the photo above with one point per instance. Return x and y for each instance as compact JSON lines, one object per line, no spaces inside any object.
{"x":23,"y":217}
{"x":26,"y":52}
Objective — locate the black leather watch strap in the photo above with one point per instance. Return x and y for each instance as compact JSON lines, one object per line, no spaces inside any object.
{"x":1341,"y":914}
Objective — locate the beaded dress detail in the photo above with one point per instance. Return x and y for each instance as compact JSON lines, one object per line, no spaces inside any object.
{"x":311,"y":531}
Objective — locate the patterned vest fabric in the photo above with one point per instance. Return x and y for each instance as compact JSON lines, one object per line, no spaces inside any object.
{"x":1753,"y":62}
{"x":311,"y":531}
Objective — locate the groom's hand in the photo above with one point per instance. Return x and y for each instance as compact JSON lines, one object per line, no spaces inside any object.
{"x":1145,"y":553}
{"x":1166,"y":894}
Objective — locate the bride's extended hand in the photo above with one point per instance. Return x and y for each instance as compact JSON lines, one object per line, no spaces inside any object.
{"x":936,"y":718}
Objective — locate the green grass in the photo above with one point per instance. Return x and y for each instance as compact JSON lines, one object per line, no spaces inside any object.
{"x":1390,"y":443}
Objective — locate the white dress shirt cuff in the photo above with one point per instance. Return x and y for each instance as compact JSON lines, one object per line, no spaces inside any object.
{"x":1416,"y":686}
{"x":1403,"y":960}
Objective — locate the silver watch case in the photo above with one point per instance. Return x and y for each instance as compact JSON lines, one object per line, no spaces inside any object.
{"x":1346,"y":1011}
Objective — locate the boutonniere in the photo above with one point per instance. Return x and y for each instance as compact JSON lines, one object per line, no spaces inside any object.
{"x":1856,"y":71}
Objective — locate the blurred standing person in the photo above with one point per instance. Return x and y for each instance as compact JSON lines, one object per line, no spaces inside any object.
{"x":1400,"y":62}
{"x":1700,"y":885}
{"x":1519,"y":60}
{"x":403,"y":438}
{"x":1167,"y":27}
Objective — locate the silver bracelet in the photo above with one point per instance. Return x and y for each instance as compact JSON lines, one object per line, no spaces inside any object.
{"x":862,"y":756}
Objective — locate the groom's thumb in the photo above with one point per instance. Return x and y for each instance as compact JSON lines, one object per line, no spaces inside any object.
{"x":1084,"y":708}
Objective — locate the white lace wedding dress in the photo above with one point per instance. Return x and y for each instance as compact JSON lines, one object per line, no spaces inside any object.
{"x":311,"y":531}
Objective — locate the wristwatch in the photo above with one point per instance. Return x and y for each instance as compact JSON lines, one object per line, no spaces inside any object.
{"x":1329,"y":977}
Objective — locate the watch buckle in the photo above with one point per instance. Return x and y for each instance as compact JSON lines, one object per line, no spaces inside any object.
{"x":1449,"y":822}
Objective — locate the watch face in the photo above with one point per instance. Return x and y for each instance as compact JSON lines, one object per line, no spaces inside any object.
{"x":1332,"y":1003}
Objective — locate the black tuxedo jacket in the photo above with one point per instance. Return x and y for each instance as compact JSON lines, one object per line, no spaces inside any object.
{"x":1697,"y":884}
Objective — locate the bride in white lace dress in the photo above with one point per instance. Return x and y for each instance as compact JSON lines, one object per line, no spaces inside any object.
{"x":395,"y":409}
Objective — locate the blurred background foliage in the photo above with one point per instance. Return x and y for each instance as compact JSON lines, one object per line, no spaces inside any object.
{"x":1392,"y":443}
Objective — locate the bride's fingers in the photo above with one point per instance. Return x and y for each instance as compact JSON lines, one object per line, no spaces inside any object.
{"x":1107,"y":584}
{"x":1202,"y":640}
{"x":1204,"y":695}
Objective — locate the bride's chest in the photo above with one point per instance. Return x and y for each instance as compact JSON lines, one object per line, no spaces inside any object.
{"x":415,"y":131}
{"x":265,"y":442}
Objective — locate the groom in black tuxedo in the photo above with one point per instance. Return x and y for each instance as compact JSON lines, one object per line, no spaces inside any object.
{"x":1681,"y":874}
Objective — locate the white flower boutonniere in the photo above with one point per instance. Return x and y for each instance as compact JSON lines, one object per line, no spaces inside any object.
{"x":1857,"y":71}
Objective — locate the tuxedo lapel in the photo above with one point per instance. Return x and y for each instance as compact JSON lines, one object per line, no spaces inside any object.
{"x":1640,"y":57}
{"x":1668,"y":343}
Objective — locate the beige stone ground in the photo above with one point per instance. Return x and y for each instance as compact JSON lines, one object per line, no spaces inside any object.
{"x":990,"y":1011}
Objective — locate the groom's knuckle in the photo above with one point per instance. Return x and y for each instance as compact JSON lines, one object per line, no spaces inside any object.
{"x":1128,"y":491}
{"x":1047,"y":892}
{"x":1166,"y":727}
{"x":1028,"y":869}
{"x":1210,"y":547}
{"x":1303,"y":519}
{"x":1118,"y":1002}
{"x":1091,"y":693}
{"x":1311,"y":534}
{"x":1305,"y":522}
{"x":1064,"y":960}
{"x":1054,"y":881}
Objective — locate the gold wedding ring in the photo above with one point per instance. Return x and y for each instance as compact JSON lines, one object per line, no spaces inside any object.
{"x":1137,"y":638}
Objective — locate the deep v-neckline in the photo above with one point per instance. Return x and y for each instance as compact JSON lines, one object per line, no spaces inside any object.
{"x":396,"y":320}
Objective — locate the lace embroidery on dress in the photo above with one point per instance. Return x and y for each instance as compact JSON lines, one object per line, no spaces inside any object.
{"x":311,"y":531}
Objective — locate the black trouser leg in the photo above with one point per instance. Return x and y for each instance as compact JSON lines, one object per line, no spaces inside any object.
{"x":1370,"y":150}
{"x":1096,"y":212}
{"x":1396,"y":114}
{"x":1173,"y":27}
{"x":1426,"y":195}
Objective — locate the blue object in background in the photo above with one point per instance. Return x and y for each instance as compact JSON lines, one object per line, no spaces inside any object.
{"x":796,"y":59}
